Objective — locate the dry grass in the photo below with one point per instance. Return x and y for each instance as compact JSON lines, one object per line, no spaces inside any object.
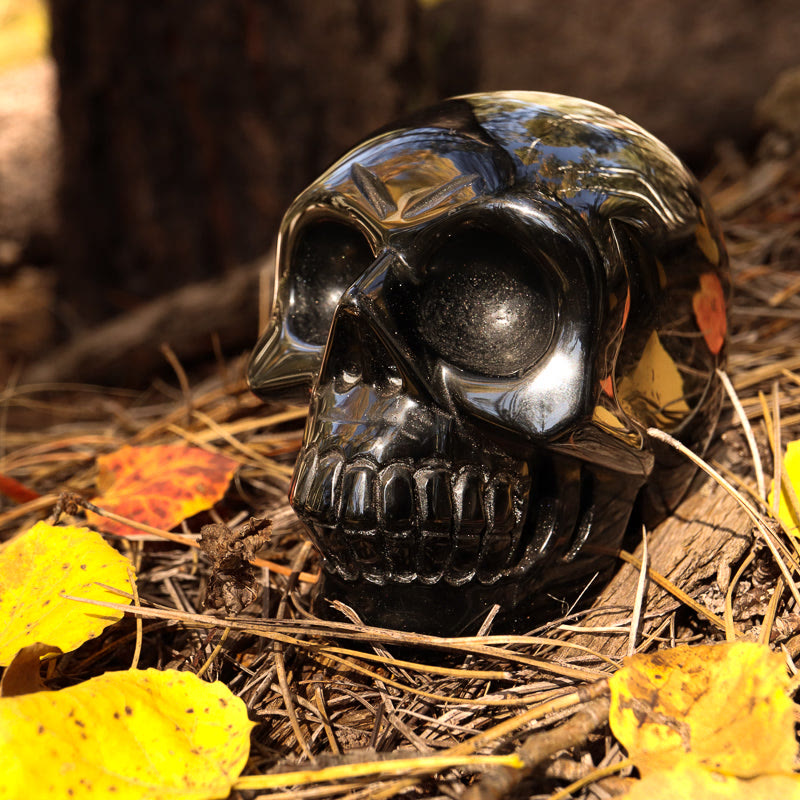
{"x":351,"y":711}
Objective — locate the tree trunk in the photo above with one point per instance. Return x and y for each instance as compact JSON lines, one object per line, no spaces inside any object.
{"x":189,"y":124}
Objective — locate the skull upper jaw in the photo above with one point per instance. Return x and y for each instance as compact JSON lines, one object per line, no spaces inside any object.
{"x":433,"y":548}
{"x":413,"y":508}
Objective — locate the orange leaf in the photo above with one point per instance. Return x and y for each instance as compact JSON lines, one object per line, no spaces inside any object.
{"x":16,"y":491}
{"x":161,"y":485}
{"x":708,"y":303}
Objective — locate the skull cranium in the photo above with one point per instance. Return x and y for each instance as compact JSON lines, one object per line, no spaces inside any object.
{"x":493,"y":300}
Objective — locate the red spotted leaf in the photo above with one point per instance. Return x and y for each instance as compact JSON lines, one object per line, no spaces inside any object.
{"x":708,"y":303}
{"x":159,"y":486}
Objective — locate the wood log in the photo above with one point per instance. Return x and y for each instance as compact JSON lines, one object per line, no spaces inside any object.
{"x":699,"y":543}
{"x":126,"y":351}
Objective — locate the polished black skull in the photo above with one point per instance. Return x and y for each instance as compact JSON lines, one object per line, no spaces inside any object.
{"x":493,"y":300}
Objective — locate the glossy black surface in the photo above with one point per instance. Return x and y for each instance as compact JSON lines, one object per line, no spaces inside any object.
{"x":492,"y":300}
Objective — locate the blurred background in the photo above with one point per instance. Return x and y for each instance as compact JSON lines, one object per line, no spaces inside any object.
{"x":148,"y":150}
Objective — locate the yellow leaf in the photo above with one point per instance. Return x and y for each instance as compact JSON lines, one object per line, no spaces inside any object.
{"x":695,"y":783}
{"x":722,"y":708}
{"x":791,"y":468}
{"x":36,"y":568}
{"x":23,"y":674}
{"x":127,"y":735}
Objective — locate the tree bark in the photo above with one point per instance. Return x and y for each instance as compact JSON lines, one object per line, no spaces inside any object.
{"x":707,"y":535}
{"x":189,"y":124}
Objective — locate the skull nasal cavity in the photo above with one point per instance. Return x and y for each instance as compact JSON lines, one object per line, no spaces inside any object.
{"x":486,"y":306}
{"x":357,"y":355}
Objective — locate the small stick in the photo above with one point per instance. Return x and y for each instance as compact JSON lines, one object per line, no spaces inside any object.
{"x":183,"y":380}
{"x":730,"y":628}
{"x":777,"y":453}
{"x":271,"y":629}
{"x":583,"y":694}
{"x":433,"y":696}
{"x":641,"y":588}
{"x":748,"y":432}
{"x":319,"y":702}
{"x":537,"y":748}
{"x":666,"y":583}
{"x":280,"y":661}
{"x":594,"y":776}
{"x":388,"y":767}
{"x":135,"y":592}
{"x":214,"y":653}
{"x":772,"y":610}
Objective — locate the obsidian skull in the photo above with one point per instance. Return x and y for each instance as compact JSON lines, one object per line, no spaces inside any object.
{"x":493,"y":300}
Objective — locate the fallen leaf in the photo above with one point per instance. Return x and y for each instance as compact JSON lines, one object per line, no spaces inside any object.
{"x":23,"y":674}
{"x":708,"y":303}
{"x":694,"y":783}
{"x":791,"y":469}
{"x":16,"y":491}
{"x":160,"y":486}
{"x":707,"y":711}
{"x":127,"y":735}
{"x":39,"y":565}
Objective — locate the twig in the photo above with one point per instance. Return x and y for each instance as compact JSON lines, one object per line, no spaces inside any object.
{"x":435,"y":697}
{"x":538,"y":748}
{"x":280,"y":661}
{"x":319,"y":702}
{"x":389,"y":767}
{"x":772,"y":609}
{"x":666,"y":583}
{"x":748,"y":432}
{"x":183,"y":380}
{"x":214,"y":653}
{"x":278,"y":630}
{"x":777,"y":453}
{"x":594,"y":776}
{"x":454,"y":672}
{"x":730,"y":628}
{"x":641,"y":588}
{"x":135,"y":592}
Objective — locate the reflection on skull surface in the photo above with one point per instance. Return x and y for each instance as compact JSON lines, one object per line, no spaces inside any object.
{"x":493,"y":300}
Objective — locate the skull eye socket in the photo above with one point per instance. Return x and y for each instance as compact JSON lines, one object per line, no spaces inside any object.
{"x":327,"y":258}
{"x":486,"y":306}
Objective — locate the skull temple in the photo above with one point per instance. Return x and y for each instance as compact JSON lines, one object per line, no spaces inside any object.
{"x":492,"y":301}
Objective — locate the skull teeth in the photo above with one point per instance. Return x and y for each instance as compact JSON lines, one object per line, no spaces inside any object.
{"x":406,"y":523}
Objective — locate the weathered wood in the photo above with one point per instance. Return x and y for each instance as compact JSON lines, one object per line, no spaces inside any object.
{"x":699,"y":543}
{"x":126,"y":351}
